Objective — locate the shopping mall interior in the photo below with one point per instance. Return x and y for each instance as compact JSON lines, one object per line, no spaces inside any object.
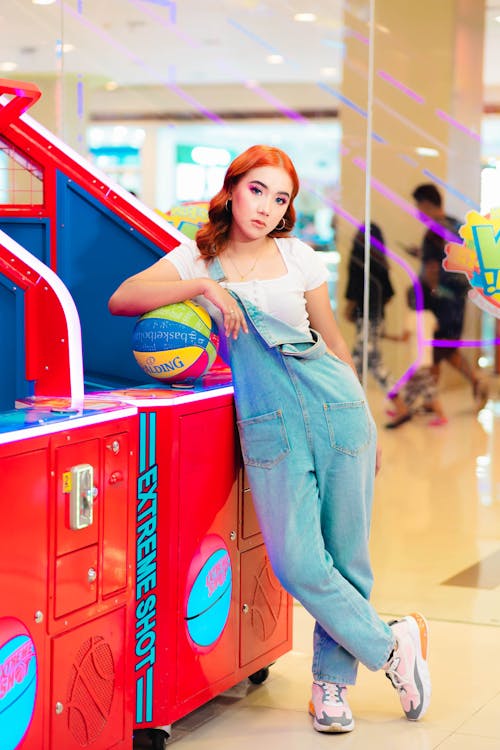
{"x":370,"y":98}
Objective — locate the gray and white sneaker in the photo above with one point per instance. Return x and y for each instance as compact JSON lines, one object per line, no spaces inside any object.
{"x":329,"y":708}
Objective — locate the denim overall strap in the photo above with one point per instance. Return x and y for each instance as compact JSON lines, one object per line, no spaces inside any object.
{"x":276,"y":333}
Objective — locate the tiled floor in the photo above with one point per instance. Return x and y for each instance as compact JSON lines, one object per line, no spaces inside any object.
{"x":437,"y":513}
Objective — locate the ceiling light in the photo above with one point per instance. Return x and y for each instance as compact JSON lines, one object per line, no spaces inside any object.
{"x":111,"y":86}
{"x":424,"y":151}
{"x":328,"y":72}
{"x":8,"y":67}
{"x":305,"y":17}
{"x":43,"y":2}
{"x":274,"y":59}
{"x":497,"y":19}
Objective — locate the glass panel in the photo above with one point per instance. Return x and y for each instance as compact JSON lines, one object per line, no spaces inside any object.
{"x":20,"y":179}
{"x":355,"y":92}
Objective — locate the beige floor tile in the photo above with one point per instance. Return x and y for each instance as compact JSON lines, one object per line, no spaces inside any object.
{"x":486,"y":721}
{"x":279,"y":729}
{"x":466,"y":742}
{"x":436,"y":513}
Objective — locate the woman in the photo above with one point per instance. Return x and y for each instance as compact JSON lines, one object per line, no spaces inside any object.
{"x":307,"y":437}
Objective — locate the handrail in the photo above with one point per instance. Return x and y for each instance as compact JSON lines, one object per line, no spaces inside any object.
{"x":53,"y":329}
{"x":24,"y":95}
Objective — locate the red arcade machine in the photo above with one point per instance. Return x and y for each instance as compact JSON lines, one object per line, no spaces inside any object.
{"x":207,"y":609}
{"x":67,"y":471}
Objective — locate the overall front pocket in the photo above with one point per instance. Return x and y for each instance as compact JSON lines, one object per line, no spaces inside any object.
{"x":264,"y":441}
{"x":349,"y":426}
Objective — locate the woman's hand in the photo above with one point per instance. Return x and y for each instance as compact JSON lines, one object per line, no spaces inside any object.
{"x":234,"y":318}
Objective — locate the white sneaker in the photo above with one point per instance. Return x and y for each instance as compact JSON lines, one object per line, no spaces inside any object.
{"x":407,"y":668}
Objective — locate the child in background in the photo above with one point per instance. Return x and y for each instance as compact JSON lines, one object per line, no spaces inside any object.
{"x":422,"y":383}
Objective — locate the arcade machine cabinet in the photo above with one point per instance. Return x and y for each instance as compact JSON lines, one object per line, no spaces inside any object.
{"x":67,"y":470}
{"x":209,"y":611}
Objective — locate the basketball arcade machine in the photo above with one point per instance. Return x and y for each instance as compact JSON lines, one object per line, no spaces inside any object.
{"x":66,"y":552}
{"x":208,"y":611}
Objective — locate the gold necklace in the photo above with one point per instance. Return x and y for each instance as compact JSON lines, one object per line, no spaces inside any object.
{"x":243,"y":276}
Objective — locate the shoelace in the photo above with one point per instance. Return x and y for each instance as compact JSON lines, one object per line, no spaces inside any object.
{"x":328,"y":698}
{"x":398,"y":680}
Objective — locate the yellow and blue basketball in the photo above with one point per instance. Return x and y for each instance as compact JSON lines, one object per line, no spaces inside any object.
{"x":176,"y":342}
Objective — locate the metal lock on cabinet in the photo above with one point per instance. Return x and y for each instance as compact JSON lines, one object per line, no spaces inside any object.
{"x":81,"y":498}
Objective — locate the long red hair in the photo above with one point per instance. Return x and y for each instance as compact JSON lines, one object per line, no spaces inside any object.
{"x":213,"y":236}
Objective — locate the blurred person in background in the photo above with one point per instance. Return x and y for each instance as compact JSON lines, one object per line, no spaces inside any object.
{"x":380,"y":292}
{"x":449,"y":290}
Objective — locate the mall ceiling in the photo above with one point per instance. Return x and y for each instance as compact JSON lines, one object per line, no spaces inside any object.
{"x":190,"y":42}
{"x":134,"y":42}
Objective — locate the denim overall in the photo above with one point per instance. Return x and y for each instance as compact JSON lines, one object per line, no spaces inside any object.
{"x":308,"y":443}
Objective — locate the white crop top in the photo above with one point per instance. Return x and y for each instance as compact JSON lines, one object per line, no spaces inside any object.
{"x":282,"y":297}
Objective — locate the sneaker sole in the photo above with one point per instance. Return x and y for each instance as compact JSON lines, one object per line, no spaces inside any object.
{"x":420,"y":632}
{"x":332,"y":728}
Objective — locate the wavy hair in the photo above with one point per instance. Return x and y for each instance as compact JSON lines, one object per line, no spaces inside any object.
{"x":213,"y":236}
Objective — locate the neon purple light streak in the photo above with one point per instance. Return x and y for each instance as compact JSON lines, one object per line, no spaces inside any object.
{"x":409,"y":160}
{"x":196,"y":104}
{"x":79,"y":97}
{"x":253,"y":37}
{"x":287,"y":111}
{"x":453,"y":343}
{"x":171,"y":24}
{"x":443,"y":116}
{"x":357,"y":35}
{"x":171,"y":4}
{"x":468,"y":201}
{"x":407,"y":207}
{"x":405,"y":120}
{"x":397,"y":84}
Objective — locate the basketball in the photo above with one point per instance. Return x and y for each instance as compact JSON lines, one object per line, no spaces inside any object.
{"x":208,"y":593}
{"x":176,"y":342}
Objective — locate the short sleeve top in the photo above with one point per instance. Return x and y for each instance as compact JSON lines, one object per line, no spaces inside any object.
{"x":282,"y":297}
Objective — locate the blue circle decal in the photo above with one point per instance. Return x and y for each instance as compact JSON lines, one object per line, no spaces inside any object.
{"x":209,"y":599}
{"x":18,"y":682}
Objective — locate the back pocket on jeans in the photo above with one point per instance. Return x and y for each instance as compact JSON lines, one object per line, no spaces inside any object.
{"x":349,"y":426}
{"x":264,"y":441}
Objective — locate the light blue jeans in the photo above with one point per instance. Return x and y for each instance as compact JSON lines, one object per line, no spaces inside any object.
{"x":308,"y":443}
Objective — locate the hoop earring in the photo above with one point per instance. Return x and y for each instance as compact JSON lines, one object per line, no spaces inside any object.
{"x":228,"y":205}
{"x":280,"y":229}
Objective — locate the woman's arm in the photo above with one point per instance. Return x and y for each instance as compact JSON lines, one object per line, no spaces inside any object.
{"x":322,"y":319}
{"x":160,"y":284}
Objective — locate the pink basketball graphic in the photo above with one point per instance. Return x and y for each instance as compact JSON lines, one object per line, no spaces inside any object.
{"x":18,"y":682}
{"x":90,"y":691}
